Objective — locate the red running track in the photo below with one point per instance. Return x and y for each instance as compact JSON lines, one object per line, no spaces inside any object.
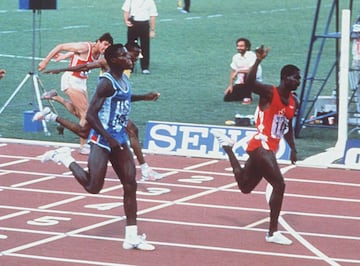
{"x":194,"y":216}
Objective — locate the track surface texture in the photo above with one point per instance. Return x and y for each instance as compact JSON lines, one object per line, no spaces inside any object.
{"x":195,"y":215}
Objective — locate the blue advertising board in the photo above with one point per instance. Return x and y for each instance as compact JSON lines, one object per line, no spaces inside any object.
{"x":196,"y":140}
{"x":352,"y":152}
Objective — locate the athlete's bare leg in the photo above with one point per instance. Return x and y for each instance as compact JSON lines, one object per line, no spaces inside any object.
{"x":133,"y":134}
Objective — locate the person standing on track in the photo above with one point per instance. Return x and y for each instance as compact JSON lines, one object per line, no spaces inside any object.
{"x":73,"y":84}
{"x":107,"y":115}
{"x":276,"y":108}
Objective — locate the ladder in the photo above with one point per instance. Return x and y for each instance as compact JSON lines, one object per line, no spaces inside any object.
{"x":318,"y":78}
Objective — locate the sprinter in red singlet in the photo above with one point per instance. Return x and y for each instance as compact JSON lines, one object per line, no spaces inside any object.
{"x":276,"y":108}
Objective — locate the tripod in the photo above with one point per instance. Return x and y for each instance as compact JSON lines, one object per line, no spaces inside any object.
{"x":35,"y":80}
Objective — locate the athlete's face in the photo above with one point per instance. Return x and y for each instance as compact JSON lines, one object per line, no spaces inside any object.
{"x":293,"y":81}
{"x":123,"y":59}
{"x":135,"y":54}
{"x":103,"y":45}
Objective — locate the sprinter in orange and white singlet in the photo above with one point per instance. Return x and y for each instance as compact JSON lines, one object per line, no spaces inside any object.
{"x":77,"y":60}
{"x":73,"y":84}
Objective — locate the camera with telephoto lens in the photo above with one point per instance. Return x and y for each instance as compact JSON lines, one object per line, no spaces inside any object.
{"x":131,"y":19}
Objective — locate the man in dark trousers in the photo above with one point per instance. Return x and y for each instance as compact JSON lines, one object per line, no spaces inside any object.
{"x":186,"y":8}
{"x":140,"y":18}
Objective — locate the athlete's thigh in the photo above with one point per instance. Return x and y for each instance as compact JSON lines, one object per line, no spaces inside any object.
{"x":79,"y":100}
{"x":97,"y":164}
{"x":252,"y":171}
{"x":270,"y":168}
{"x":123,"y":164}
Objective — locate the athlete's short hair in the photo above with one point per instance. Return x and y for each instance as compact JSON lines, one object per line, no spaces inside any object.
{"x":288,"y":70}
{"x":133,"y":46}
{"x":106,"y":37}
{"x":112,"y":51}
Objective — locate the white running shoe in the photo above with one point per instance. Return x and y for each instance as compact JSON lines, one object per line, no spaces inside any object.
{"x":49,"y":95}
{"x":41,"y":114}
{"x":148,"y":174}
{"x":278,"y":238}
{"x":222,"y":138}
{"x":84,"y":150}
{"x":138,"y":242}
{"x":56,"y":155}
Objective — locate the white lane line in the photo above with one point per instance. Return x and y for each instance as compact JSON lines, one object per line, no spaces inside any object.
{"x":58,"y":237}
{"x":319,"y":259}
{"x":72,"y":261}
{"x":306,"y":243}
{"x":336,"y":183}
{"x":184,"y":199}
{"x":201,"y":164}
{"x":299,"y":238}
{"x":212,"y":248}
{"x":14,"y":162}
{"x":12,"y":215}
{"x":322,"y":198}
{"x":112,"y":188}
{"x":58,"y":212}
{"x":34,"y":181}
{"x":189,"y":168}
{"x":257,"y":223}
{"x":61,"y":202}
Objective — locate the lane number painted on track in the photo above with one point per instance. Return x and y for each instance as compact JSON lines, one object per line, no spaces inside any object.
{"x":48,"y":220}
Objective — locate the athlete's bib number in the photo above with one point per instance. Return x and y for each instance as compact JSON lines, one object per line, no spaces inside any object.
{"x":280,"y":126}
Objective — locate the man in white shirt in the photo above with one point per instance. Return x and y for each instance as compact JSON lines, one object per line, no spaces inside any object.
{"x":240,"y":65}
{"x":140,"y":18}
